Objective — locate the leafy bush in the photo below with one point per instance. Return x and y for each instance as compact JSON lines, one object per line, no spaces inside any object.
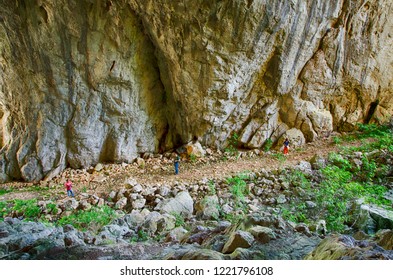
{"x":238,"y":186}
{"x":233,"y":145}
{"x":298,"y":179}
{"x":27,"y":208}
{"x":94,"y":219}
{"x":268,"y":145}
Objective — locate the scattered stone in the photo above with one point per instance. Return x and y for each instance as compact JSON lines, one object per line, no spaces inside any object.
{"x":141,"y":162}
{"x":176,"y":235}
{"x":69,"y":204}
{"x":121,"y":203}
{"x":182,"y":204}
{"x":112,"y":195}
{"x":207,"y":208}
{"x":98,"y":167}
{"x":238,"y":239}
{"x":318,"y":162}
{"x":99,"y":179}
{"x":84,"y":205}
{"x":262,"y":234}
{"x":310,"y":204}
{"x":138,"y":203}
{"x":281,"y":199}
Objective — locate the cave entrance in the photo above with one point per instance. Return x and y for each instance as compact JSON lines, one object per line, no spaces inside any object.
{"x":371,"y":111}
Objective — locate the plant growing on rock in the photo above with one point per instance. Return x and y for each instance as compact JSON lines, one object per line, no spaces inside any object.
{"x":231,"y":149}
{"x":267,"y":145}
{"x":93,"y":220}
{"x":26,"y":208}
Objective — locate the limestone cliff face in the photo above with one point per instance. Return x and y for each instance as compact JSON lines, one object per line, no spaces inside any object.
{"x":89,"y":81}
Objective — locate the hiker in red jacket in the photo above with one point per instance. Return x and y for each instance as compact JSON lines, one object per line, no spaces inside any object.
{"x":68,"y":185}
{"x":286,"y":146}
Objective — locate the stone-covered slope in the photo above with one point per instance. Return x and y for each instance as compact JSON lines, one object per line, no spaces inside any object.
{"x":89,"y":81}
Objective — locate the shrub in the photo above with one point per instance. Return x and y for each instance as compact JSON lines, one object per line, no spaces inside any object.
{"x":268,"y":145}
{"x":27,"y":208}
{"x":94,"y":219}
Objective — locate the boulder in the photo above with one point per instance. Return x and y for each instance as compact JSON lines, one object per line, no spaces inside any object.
{"x":318,"y":162}
{"x":182,"y":204}
{"x":262,"y":234}
{"x":207,"y":208}
{"x":195,"y":148}
{"x":343,"y":247}
{"x":176,"y":234}
{"x":384,"y":238}
{"x":295,"y":137}
{"x":238,"y":239}
{"x":304,"y":167}
{"x":121,"y":203}
{"x":138,"y":203}
{"x":371,"y":218}
{"x":98,"y":167}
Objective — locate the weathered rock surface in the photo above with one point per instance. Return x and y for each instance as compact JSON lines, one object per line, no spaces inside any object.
{"x":86,"y":82}
{"x":338,"y":247}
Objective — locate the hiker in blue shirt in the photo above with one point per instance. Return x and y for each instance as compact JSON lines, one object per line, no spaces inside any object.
{"x":177,"y":163}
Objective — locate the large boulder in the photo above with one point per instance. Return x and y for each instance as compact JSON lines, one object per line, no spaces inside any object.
{"x":182,"y":204}
{"x":238,"y":239}
{"x":343,"y":247}
{"x":371,"y":218}
{"x":207,"y":208}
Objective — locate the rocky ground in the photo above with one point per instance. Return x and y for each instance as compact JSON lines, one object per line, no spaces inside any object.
{"x":193,"y":215}
{"x":158,"y":170}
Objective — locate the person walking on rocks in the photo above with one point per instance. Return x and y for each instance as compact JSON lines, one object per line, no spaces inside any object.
{"x":177,"y":163}
{"x":68,"y":185}
{"x":286,"y":146}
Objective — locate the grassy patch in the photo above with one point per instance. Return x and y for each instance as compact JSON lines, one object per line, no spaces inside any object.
{"x":93,"y":220}
{"x":267,"y":145}
{"x":280,"y":157}
{"x":345,"y":179}
{"x":231,"y":149}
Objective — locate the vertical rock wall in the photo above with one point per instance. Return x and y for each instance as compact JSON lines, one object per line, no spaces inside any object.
{"x":80,"y":85}
{"x":88,"y":81}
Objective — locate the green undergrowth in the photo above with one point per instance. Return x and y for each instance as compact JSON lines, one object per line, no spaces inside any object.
{"x":344,"y":180}
{"x":238,"y":189}
{"x":93,"y":220}
{"x":18,"y":207}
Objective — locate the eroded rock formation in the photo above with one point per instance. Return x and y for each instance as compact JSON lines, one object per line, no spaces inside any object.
{"x":89,"y":81}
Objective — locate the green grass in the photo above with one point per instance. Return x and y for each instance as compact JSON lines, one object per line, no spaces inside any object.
{"x":179,"y":220}
{"x":343,"y":181}
{"x":93,"y":220}
{"x":238,"y":188}
{"x":26,"y":208}
{"x":231,"y":149}
{"x":212,"y":187}
{"x":6,"y":190}
{"x":279,"y":156}
{"x":267,"y":145}
{"x":193,"y":158}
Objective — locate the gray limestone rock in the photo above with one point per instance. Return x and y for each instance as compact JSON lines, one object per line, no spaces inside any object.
{"x":182,"y":204}
{"x":132,"y":86}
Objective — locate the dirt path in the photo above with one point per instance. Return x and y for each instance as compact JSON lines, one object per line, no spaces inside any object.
{"x":161,"y":172}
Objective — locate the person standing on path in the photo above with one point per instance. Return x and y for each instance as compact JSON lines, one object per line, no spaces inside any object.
{"x":177,"y":163}
{"x":286,"y":146}
{"x":68,"y":185}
